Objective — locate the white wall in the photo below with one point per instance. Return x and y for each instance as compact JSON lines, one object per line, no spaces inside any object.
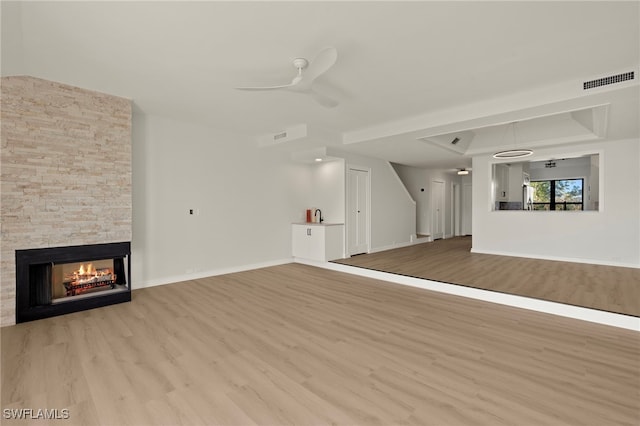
{"x":11,"y":55}
{"x":467,"y":205}
{"x":593,"y":190}
{"x":561,"y":172}
{"x":416,"y":179}
{"x":516,"y":179}
{"x":393,"y":211}
{"x":327,"y":190}
{"x":608,"y":236}
{"x":246,"y":197}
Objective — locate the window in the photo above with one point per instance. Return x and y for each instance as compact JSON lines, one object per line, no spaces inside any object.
{"x":558,"y":194}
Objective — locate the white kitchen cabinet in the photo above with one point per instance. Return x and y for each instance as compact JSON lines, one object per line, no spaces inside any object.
{"x":314,"y":241}
{"x":501,"y":180}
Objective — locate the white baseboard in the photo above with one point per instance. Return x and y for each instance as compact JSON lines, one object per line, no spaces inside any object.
{"x":208,"y":273}
{"x":585,"y":314}
{"x":558,"y":258}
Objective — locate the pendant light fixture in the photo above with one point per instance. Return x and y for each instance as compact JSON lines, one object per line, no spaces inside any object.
{"x":515,"y":152}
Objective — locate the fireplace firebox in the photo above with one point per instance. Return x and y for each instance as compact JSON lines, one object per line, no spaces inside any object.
{"x":60,"y":280}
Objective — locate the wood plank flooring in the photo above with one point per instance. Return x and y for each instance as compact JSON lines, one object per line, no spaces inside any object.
{"x":299,"y":345}
{"x":606,"y":288}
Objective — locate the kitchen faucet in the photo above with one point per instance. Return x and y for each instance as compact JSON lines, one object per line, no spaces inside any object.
{"x":316,"y":214}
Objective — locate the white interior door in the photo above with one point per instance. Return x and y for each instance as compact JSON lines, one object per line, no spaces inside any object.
{"x":357,"y":211}
{"x":437,"y":210}
{"x":467,"y":190}
{"x":456,"y":215}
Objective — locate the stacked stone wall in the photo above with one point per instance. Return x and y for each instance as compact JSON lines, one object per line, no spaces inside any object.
{"x":65,"y":171}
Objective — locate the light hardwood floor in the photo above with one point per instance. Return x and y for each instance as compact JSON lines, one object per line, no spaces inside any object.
{"x":295,"y":344}
{"x":606,"y":288}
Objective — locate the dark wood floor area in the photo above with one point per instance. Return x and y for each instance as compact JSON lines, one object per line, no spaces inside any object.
{"x":606,"y":288}
{"x":300,"y":345}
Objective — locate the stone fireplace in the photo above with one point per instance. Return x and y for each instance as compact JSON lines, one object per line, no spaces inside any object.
{"x":65,"y":175}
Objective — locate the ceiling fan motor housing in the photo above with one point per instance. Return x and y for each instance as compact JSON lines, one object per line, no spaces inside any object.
{"x":300,"y":63}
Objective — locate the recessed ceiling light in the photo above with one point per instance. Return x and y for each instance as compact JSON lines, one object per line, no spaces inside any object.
{"x":463,"y":172}
{"x":318,"y":159}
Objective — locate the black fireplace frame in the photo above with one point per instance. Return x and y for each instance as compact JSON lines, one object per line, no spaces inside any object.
{"x":28,"y":310}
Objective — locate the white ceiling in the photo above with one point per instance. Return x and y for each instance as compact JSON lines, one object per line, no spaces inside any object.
{"x":410,"y":76}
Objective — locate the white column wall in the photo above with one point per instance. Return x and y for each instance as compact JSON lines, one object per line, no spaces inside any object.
{"x":608,"y":236}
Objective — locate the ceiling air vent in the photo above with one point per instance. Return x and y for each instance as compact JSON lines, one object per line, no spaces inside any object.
{"x":287,"y":135}
{"x":608,"y":80}
{"x":455,"y":141}
{"x":279,"y":136}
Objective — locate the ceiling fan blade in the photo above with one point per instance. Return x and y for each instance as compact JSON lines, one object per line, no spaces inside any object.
{"x":307,"y":73}
{"x":296,"y":80}
{"x":325,"y":60}
{"x":284,"y":86}
{"x":324,"y":100}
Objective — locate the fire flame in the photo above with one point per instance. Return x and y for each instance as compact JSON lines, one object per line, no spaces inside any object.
{"x":87,"y":277}
{"x":89,"y":271}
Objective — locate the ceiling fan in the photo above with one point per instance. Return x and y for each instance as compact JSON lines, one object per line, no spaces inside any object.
{"x":307,"y":73}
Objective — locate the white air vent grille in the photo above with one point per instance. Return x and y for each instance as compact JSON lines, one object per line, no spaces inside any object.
{"x":608,"y":80}
{"x":279,"y":136}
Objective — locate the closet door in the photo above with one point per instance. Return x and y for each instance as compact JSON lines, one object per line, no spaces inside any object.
{"x":437,"y":210}
{"x":357,"y":211}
